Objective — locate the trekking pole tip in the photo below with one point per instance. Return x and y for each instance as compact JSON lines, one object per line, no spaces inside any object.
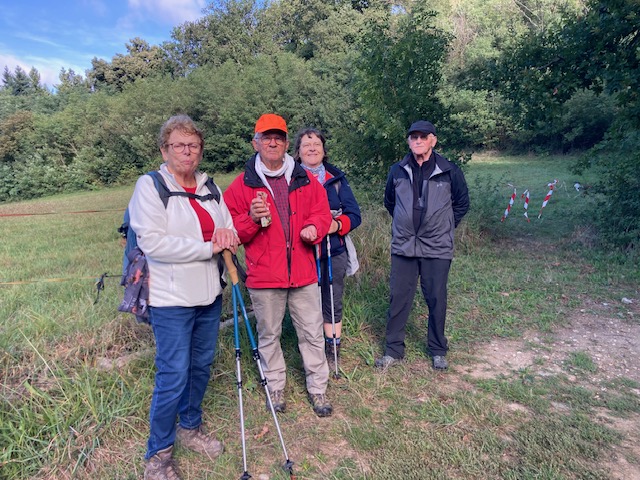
{"x":288,"y":467}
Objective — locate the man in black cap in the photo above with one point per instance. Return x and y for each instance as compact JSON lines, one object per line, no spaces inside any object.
{"x":427,"y":196}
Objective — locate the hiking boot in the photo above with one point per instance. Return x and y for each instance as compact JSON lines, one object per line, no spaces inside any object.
{"x":320,"y":404}
{"x":161,"y":466}
{"x":199,"y":441}
{"x":386,"y":362}
{"x":277,"y":398}
{"x":440,"y":363}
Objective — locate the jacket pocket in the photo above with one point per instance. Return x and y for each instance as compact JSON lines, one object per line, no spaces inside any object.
{"x":192,"y":282}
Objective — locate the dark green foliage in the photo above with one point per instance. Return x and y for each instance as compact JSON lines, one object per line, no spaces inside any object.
{"x":617,"y":216}
{"x":585,"y":120}
{"x":231,"y":30}
{"x":141,"y":61}
{"x":397,"y":81}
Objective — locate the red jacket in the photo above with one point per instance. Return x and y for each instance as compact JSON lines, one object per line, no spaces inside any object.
{"x":270,"y":264}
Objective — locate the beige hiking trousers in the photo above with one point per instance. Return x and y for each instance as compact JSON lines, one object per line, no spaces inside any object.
{"x":269,"y":305}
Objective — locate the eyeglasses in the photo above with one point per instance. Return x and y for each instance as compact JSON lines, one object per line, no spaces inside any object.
{"x":180,"y":147}
{"x":422,"y":136}
{"x":266,"y":139}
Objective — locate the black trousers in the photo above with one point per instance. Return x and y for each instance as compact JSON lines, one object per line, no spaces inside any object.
{"x":434,"y":275}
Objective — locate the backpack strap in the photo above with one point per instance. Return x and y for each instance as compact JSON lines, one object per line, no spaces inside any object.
{"x":165,"y":193}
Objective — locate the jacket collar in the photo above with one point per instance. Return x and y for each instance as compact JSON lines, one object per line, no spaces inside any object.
{"x":299,"y":176}
{"x":442,"y":164}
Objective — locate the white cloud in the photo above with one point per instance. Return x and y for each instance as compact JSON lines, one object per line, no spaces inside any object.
{"x":37,"y":39}
{"x":48,"y":68}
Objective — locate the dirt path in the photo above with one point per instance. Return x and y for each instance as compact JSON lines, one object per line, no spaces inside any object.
{"x":609,"y":335}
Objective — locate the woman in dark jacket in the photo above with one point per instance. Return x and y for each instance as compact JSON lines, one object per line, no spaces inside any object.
{"x":310,"y":152}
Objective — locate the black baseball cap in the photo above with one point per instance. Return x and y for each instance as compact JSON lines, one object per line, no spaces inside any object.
{"x":421,"y":126}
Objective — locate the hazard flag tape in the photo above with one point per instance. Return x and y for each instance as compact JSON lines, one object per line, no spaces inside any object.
{"x":551,"y":186}
{"x":525,"y":195}
{"x":508,"y":209}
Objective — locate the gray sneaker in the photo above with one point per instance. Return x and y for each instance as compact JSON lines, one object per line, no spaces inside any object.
{"x":277,"y":398}
{"x":161,"y":466}
{"x":386,"y":362}
{"x":198,"y":441}
{"x":440,"y":362}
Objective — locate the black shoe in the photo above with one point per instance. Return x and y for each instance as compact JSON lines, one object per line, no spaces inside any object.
{"x":277,"y":399}
{"x":320,"y":404}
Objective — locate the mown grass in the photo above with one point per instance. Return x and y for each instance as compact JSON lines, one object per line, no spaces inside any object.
{"x":64,"y":415}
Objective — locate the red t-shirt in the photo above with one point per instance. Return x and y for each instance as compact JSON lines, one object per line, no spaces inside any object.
{"x":206,"y":222}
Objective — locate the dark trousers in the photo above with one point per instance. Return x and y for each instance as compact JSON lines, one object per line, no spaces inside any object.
{"x":338,"y":274}
{"x":434,"y":274}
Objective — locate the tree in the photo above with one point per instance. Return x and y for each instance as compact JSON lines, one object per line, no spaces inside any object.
{"x":35,"y":86}
{"x":398,"y":76}
{"x":71,"y":81}
{"x":13,"y":132}
{"x":7,"y":79}
{"x":141,"y":61}
{"x":18,"y":82}
{"x":231,"y":30}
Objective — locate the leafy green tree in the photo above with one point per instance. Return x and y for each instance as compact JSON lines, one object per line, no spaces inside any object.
{"x":141,"y":61}
{"x":15,"y":129}
{"x":231,"y":30}
{"x":35,"y":84}
{"x":398,"y":77}
{"x":303,"y":26}
{"x":7,"y":79}
{"x":71,"y":81}
{"x":18,"y":82}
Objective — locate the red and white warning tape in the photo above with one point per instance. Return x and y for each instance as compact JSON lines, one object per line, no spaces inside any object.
{"x":511,"y":200}
{"x":551,"y":186}
{"x":525,"y":195}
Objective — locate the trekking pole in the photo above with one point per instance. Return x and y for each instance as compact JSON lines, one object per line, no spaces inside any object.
{"x":319,"y":274}
{"x":236,"y":338}
{"x":233,"y":273}
{"x":333,"y":313}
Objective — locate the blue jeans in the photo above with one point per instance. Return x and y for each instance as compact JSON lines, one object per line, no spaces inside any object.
{"x":186,"y":340}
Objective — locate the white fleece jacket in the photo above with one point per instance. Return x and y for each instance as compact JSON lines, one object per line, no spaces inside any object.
{"x":183,"y":272}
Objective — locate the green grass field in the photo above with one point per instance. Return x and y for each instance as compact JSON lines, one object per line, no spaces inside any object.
{"x":76,"y":375}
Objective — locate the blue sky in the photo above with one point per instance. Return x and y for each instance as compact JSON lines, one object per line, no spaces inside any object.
{"x":51,"y":34}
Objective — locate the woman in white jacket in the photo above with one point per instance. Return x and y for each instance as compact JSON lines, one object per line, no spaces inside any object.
{"x":182,"y":242}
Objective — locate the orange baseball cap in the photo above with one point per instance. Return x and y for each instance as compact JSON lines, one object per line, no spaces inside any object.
{"x":271,"y":121}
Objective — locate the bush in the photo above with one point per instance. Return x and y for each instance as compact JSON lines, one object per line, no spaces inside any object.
{"x":617,"y":213}
{"x":585,"y":119}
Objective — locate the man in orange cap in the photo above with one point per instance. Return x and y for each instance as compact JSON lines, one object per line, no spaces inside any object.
{"x":280,"y":212}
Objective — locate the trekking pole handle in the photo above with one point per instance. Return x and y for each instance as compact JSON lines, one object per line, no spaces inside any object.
{"x":231,"y":268}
